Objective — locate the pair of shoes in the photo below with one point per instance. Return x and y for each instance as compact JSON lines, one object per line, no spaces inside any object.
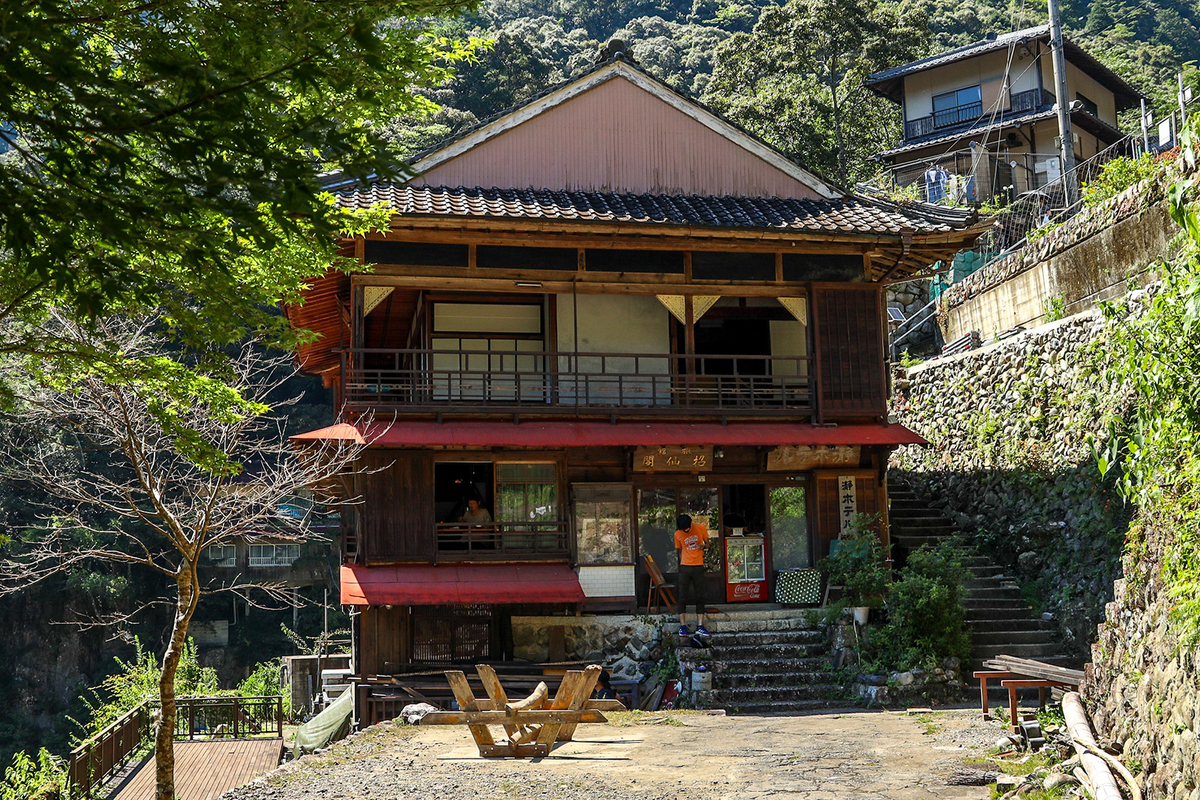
{"x":703,"y":631}
{"x":683,"y":631}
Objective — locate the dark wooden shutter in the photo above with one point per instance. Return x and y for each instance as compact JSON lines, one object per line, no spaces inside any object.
{"x":397,"y":513}
{"x":850,"y":348}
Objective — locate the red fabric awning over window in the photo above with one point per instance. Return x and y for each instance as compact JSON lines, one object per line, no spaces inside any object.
{"x":603,"y":434}
{"x":436,"y":584}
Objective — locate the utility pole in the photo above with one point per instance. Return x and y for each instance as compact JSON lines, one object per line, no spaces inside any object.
{"x":1145,"y":130}
{"x":1070,"y":184}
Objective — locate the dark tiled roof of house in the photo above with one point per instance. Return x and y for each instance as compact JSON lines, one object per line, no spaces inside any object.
{"x":853,"y":215}
{"x":886,"y":82}
{"x":985,"y":127}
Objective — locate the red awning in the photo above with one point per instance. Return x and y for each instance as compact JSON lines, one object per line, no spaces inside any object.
{"x":430,"y":584}
{"x":603,"y":434}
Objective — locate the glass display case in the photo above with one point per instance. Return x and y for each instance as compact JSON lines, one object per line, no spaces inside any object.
{"x":745,"y":569}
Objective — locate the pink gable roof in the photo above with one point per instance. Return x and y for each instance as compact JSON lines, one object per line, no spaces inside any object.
{"x":617,"y":130}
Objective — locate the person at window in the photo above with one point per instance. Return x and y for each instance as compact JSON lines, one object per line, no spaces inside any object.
{"x":476,"y":514}
{"x":690,"y":540}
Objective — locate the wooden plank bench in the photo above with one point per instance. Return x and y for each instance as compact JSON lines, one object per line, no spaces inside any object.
{"x":1022,"y":673}
{"x":533,"y":725}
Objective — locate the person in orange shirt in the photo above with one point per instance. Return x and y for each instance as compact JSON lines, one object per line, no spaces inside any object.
{"x":690,"y":540}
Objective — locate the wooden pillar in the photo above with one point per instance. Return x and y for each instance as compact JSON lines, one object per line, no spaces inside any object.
{"x":689,"y":345}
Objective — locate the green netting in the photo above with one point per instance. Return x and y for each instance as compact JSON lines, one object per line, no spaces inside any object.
{"x":330,"y":725}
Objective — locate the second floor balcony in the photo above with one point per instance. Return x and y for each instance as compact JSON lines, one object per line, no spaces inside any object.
{"x":572,"y":383}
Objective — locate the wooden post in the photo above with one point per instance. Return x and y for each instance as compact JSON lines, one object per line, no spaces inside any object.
{"x":236,"y":716}
{"x":466,"y":702}
{"x":191,"y":720}
{"x":279,"y":716}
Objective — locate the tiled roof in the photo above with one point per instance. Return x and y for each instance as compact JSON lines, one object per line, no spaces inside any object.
{"x":886,"y":82}
{"x":852,"y":214}
{"x":1084,"y":119}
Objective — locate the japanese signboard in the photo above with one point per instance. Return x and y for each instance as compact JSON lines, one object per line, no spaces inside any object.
{"x":847,"y":501}
{"x":673,"y":458}
{"x":786,"y":457}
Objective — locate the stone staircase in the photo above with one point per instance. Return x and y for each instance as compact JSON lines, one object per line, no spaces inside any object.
{"x":767,"y":661}
{"x":1001,"y":620}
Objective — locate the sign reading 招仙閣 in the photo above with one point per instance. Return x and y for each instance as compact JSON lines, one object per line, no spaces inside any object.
{"x":673,"y":458}
{"x":847,"y":502}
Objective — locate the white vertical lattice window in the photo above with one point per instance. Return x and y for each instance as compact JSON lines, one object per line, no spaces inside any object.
{"x":221,"y":555}
{"x":274,"y":555}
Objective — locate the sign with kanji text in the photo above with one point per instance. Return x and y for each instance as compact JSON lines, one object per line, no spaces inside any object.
{"x":847,"y":501}
{"x":673,"y":458}
{"x":791,"y":458}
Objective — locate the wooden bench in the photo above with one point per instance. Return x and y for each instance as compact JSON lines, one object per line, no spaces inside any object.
{"x":1022,"y":673}
{"x":532,"y":726}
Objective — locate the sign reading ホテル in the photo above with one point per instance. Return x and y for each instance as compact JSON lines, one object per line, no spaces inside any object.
{"x":673,"y":458}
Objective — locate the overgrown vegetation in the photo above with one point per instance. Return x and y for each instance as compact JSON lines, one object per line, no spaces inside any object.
{"x":38,"y":778}
{"x":926,"y":612}
{"x":1118,"y":175}
{"x":856,"y":563}
{"x":1156,"y":452}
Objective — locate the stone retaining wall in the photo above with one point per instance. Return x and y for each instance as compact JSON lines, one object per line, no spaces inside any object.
{"x":1094,"y":256}
{"x":1011,"y":428}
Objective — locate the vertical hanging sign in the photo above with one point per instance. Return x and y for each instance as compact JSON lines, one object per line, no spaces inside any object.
{"x":847,"y":501}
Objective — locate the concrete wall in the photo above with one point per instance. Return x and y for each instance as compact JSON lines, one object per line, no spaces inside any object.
{"x":1096,"y":256}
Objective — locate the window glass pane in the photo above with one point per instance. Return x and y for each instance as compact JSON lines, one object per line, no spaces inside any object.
{"x":602,"y":524}
{"x":971,"y":94}
{"x":656,"y":527}
{"x":942,"y":102}
{"x":487,"y":318}
{"x":789,"y":528}
{"x":525,"y":473}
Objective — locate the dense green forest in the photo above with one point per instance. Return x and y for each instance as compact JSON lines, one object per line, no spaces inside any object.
{"x":778,"y":70}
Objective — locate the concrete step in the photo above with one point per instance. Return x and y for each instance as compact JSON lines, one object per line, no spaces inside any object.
{"x":1016,"y":624}
{"x":723,"y":681}
{"x":776,"y":666}
{"x":769,"y":637}
{"x":923,"y":525}
{"x":991,"y":582}
{"x":765,"y":652}
{"x":797,"y":622}
{"x":777,"y":694}
{"x":989,"y":607}
{"x":909,"y":543}
{"x":996,"y":590}
{"x":987,"y":570}
{"x":980,"y":652}
{"x":1005,"y":637}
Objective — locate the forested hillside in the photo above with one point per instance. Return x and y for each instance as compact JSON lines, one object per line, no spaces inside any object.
{"x":792,"y":74}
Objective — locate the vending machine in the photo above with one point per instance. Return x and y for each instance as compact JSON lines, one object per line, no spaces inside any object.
{"x":745,"y":569}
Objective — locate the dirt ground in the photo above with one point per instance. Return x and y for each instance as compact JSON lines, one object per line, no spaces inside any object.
{"x":830,"y":755}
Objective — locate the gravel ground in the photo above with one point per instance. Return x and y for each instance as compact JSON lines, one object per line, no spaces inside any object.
{"x":640,"y":756}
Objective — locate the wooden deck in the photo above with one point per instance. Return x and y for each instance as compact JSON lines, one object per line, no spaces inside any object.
{"x":204,"y":769}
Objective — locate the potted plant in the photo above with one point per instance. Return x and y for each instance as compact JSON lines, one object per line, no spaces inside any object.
{"x":857,"y":563}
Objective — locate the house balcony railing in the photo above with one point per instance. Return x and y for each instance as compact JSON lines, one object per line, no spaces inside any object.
{"x":436,"y":381}
{"x":1031,"y":100}
{"x":504,"y":541}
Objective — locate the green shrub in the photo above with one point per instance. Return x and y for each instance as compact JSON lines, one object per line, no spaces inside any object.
{"x":857,"y":564}
{"x":264,"y":681}
{"x":40,"y":778}
{"x":927,"y":613}
{"x":1118,"y":175}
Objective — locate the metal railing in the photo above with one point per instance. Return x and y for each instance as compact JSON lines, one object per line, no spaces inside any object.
{"x":540,"y":539}
{"x":957,"y":115}
{"x":98,"y":759}
{"x":557,"y":382}
{"x":1018,"y":103}
{"x":1030,"y":100}
{"x":228,"y":717}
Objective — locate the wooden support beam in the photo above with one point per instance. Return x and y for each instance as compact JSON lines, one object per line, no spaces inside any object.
{"x":526,"y":718}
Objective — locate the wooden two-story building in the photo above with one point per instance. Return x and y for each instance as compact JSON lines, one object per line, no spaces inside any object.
{"x":602,"y":308}
{"x":981,"y":120}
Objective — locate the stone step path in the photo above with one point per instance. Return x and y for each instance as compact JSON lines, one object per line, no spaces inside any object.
{"x":768,"y":662}
{"x":1001,"y":619}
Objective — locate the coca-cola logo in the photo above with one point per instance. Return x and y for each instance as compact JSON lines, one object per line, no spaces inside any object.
{"x":747,"y":590}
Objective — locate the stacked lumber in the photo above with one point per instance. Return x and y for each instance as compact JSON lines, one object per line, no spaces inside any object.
{"x":1035,"y":669}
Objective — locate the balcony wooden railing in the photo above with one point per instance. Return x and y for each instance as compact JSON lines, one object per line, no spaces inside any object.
{"x":568,"y":382}
{"x":98,"y":759}
{"x":541,"y":539}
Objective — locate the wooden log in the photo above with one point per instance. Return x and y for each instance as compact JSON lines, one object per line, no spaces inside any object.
{"x":1135,"y":791}
{"x":527,"y":734}
{"x":491,"y":685}
{"x":597,"y":705}
{"x":535,"y":700}
{"x":537,"y":716}
{"x":583,"y":692}
{"x":1098,"y":773}
{"x":466,"y":701}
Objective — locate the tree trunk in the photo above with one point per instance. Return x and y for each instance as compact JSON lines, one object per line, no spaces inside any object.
{"x":164,"y":737}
